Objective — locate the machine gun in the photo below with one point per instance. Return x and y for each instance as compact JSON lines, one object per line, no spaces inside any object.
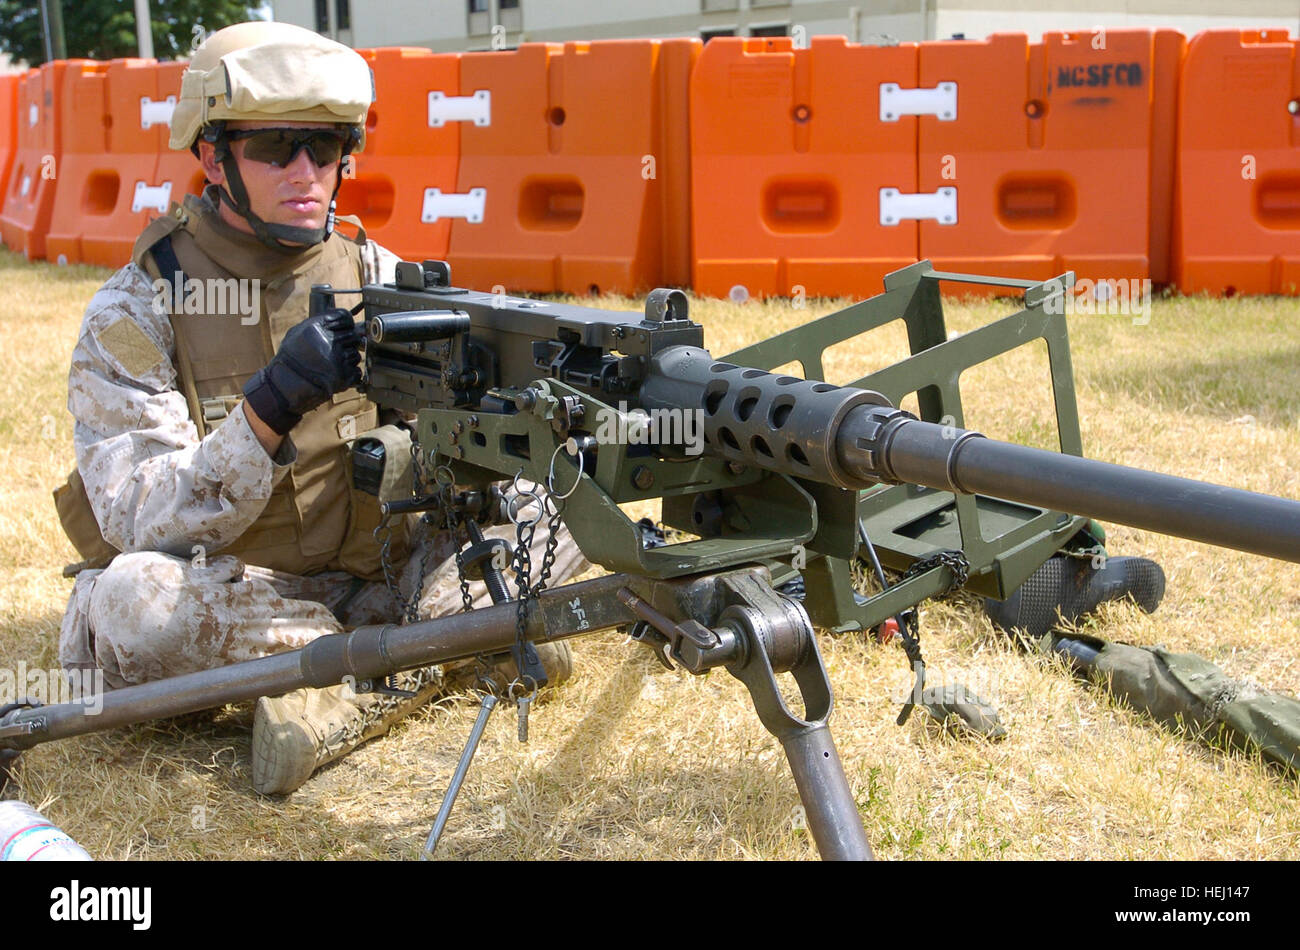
{"x":789,"y":476}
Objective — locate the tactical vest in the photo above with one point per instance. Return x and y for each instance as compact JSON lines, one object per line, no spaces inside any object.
{"x":314,"y":520}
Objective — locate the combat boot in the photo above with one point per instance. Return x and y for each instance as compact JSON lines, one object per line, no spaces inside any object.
{"x":1074,"y":587}
{"x":297,"y":733}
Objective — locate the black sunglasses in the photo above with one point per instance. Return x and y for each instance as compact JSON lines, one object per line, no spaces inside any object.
{"x":279,"y":147}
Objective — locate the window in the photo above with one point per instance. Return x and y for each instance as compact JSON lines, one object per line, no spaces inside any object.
{"x":323,"y":16}
{"x":480,"y":16}
{"x":778,"y":29}
{"x":707,"y":35}
{"x":343,"y":11}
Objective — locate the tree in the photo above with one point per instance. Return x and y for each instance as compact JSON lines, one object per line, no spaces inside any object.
{"x":105,"y":29}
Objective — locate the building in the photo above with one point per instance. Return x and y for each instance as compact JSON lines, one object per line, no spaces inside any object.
{"x":451,"y":25}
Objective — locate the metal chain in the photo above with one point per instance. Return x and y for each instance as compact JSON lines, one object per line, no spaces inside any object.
{"x":909,"y":628}
{"x":552,"y":542}
{"x":466,"y":598}
{"x":419,"y":487}
{"x":524,"y":532}
{"x":467,"y":601}
{"x":555,"y":503}
{"x":955,"y":561}
{"x":413,"y":605}
{"x":383,"y":534}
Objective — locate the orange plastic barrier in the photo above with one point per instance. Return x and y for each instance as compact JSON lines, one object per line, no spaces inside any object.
{"x":412,"y":147}
{"x":30,"y":198}
{"x":114,"y":128}
{"x":8,"y":130}
{"x":1238,"y":223}
{"x":580,"y":181}
{"x":83,"y":130}
{"x":1060,"y":154}
{"x":789,"y":156}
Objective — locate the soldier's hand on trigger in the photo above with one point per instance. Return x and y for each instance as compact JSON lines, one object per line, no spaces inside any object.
{"x":319,"y":357}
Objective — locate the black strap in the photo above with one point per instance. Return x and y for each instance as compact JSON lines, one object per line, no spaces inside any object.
{"x":235,"y":195}
{"x":7,"y":759}
{"x":164,"y":255}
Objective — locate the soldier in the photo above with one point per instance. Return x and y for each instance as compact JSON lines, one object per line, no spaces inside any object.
{"x":212,"y":415}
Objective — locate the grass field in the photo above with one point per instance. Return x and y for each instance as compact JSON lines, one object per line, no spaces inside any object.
{"x":627,"y":761}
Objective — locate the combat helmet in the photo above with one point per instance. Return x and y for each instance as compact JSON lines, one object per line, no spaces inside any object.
{"x":263,"y":71}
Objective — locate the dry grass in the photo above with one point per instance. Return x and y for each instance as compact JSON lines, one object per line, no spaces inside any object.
{"x":627,"y":761}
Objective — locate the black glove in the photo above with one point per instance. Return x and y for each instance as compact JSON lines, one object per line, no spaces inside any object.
{"x":319,"y":357}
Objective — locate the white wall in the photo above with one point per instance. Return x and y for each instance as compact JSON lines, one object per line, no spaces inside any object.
{"x":977,"y":24}
{"x":569,"y":14}
{"x":443,"y":24}
{"x":409,"y":23}
{"x":298,"y":12}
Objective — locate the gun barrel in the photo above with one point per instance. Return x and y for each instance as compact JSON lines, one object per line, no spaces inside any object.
{"x":937,"y":456}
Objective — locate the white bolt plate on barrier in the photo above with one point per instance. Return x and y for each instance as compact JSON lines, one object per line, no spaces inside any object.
{"x":940,"y":206}
{"x":438,"y":206}
{"x":940,"y":101}
{"x":33,"y":114}
{"x":156,"y":113}
{"x":444,"y":108}
{"x":156,"y":196}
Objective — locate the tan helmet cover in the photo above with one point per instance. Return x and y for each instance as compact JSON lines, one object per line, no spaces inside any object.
{"x":262,"y":71}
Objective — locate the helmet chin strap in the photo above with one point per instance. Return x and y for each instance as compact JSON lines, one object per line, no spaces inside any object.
{"x":273,"y":236}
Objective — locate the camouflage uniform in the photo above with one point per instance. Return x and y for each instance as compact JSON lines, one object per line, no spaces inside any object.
{"x":171,"y":604}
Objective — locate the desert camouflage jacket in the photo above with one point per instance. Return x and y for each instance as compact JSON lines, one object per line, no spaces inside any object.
{"x":153,"y":484}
